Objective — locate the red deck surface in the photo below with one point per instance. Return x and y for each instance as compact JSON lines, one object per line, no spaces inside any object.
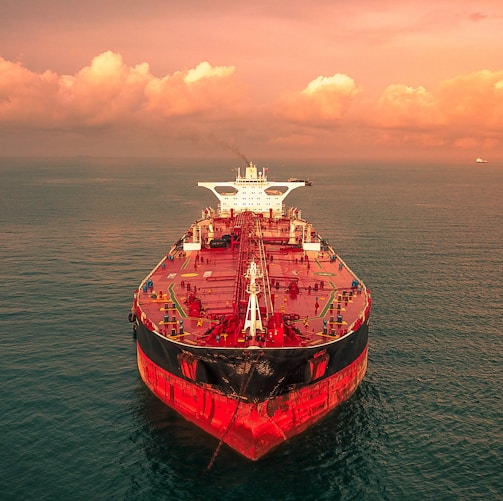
{"x":191,"y":291}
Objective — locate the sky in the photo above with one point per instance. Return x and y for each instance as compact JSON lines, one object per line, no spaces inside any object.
{"x":389,"y":80}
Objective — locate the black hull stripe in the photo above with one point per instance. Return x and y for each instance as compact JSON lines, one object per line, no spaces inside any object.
{"x":253,"y":374}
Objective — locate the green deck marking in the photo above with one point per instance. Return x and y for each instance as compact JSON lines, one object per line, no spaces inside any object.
{"x":329,"y":302}
{"x":175,"y":301}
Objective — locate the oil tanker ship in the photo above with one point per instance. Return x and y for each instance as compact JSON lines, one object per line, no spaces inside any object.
{"x":252,"y":327}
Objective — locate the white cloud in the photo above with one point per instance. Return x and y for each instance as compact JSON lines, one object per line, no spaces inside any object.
{"x":339,"y":83}
{"x":205,"y":70}
{"x":323,"y":100}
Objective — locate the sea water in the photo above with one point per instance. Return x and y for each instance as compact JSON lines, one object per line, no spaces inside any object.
{"x":77,"y":236}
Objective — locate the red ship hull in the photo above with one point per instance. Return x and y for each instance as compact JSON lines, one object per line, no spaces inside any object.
{"x":252,"y":428}
{"x":252,"y":326}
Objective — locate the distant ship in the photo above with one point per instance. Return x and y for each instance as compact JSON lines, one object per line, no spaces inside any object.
{"x":251,"y":327}
{"x":481,"y":161}
{"x":307,"y":182}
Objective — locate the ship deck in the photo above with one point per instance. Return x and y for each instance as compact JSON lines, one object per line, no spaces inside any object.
{"x":197,"y":297}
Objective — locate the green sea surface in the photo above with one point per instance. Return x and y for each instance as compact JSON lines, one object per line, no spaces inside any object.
{"x":78,"y":235}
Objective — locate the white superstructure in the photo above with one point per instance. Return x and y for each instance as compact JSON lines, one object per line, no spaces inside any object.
{"x":252,"y":192}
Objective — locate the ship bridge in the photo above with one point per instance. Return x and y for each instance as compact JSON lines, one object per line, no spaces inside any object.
{"x":251,"y":192}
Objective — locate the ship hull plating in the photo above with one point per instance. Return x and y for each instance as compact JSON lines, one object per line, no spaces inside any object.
{"x":253,"y":422}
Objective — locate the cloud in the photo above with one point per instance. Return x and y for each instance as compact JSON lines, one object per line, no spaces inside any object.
{"x":406,"y":107}
{"x":25,"y":96}
{"x":464,"y":111}
{"x":473,"y":100}
{"x":324,"y":99}
{"x":477,"y":16}
{"x":203,"y":88}
{"x":103,"y":93}
{"x":205,"y":70}
{"x":109,"y":92}
{"x":191,"y":104}
{"x":460,"y":103}
{"x":460,"y":113}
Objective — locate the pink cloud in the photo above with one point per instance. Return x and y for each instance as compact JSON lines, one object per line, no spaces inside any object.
{"x":108,"y":91}
{"x":406,"y":107}
{"x":102,"y":93}
{"x":465,"y":111}
{"x":197,"y":90}
{"x":194,"y":104}
{"x":459,"y":103}
{"x":473,"y":99}
{"x":323,"y":100}
{"x":26,"y":96}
